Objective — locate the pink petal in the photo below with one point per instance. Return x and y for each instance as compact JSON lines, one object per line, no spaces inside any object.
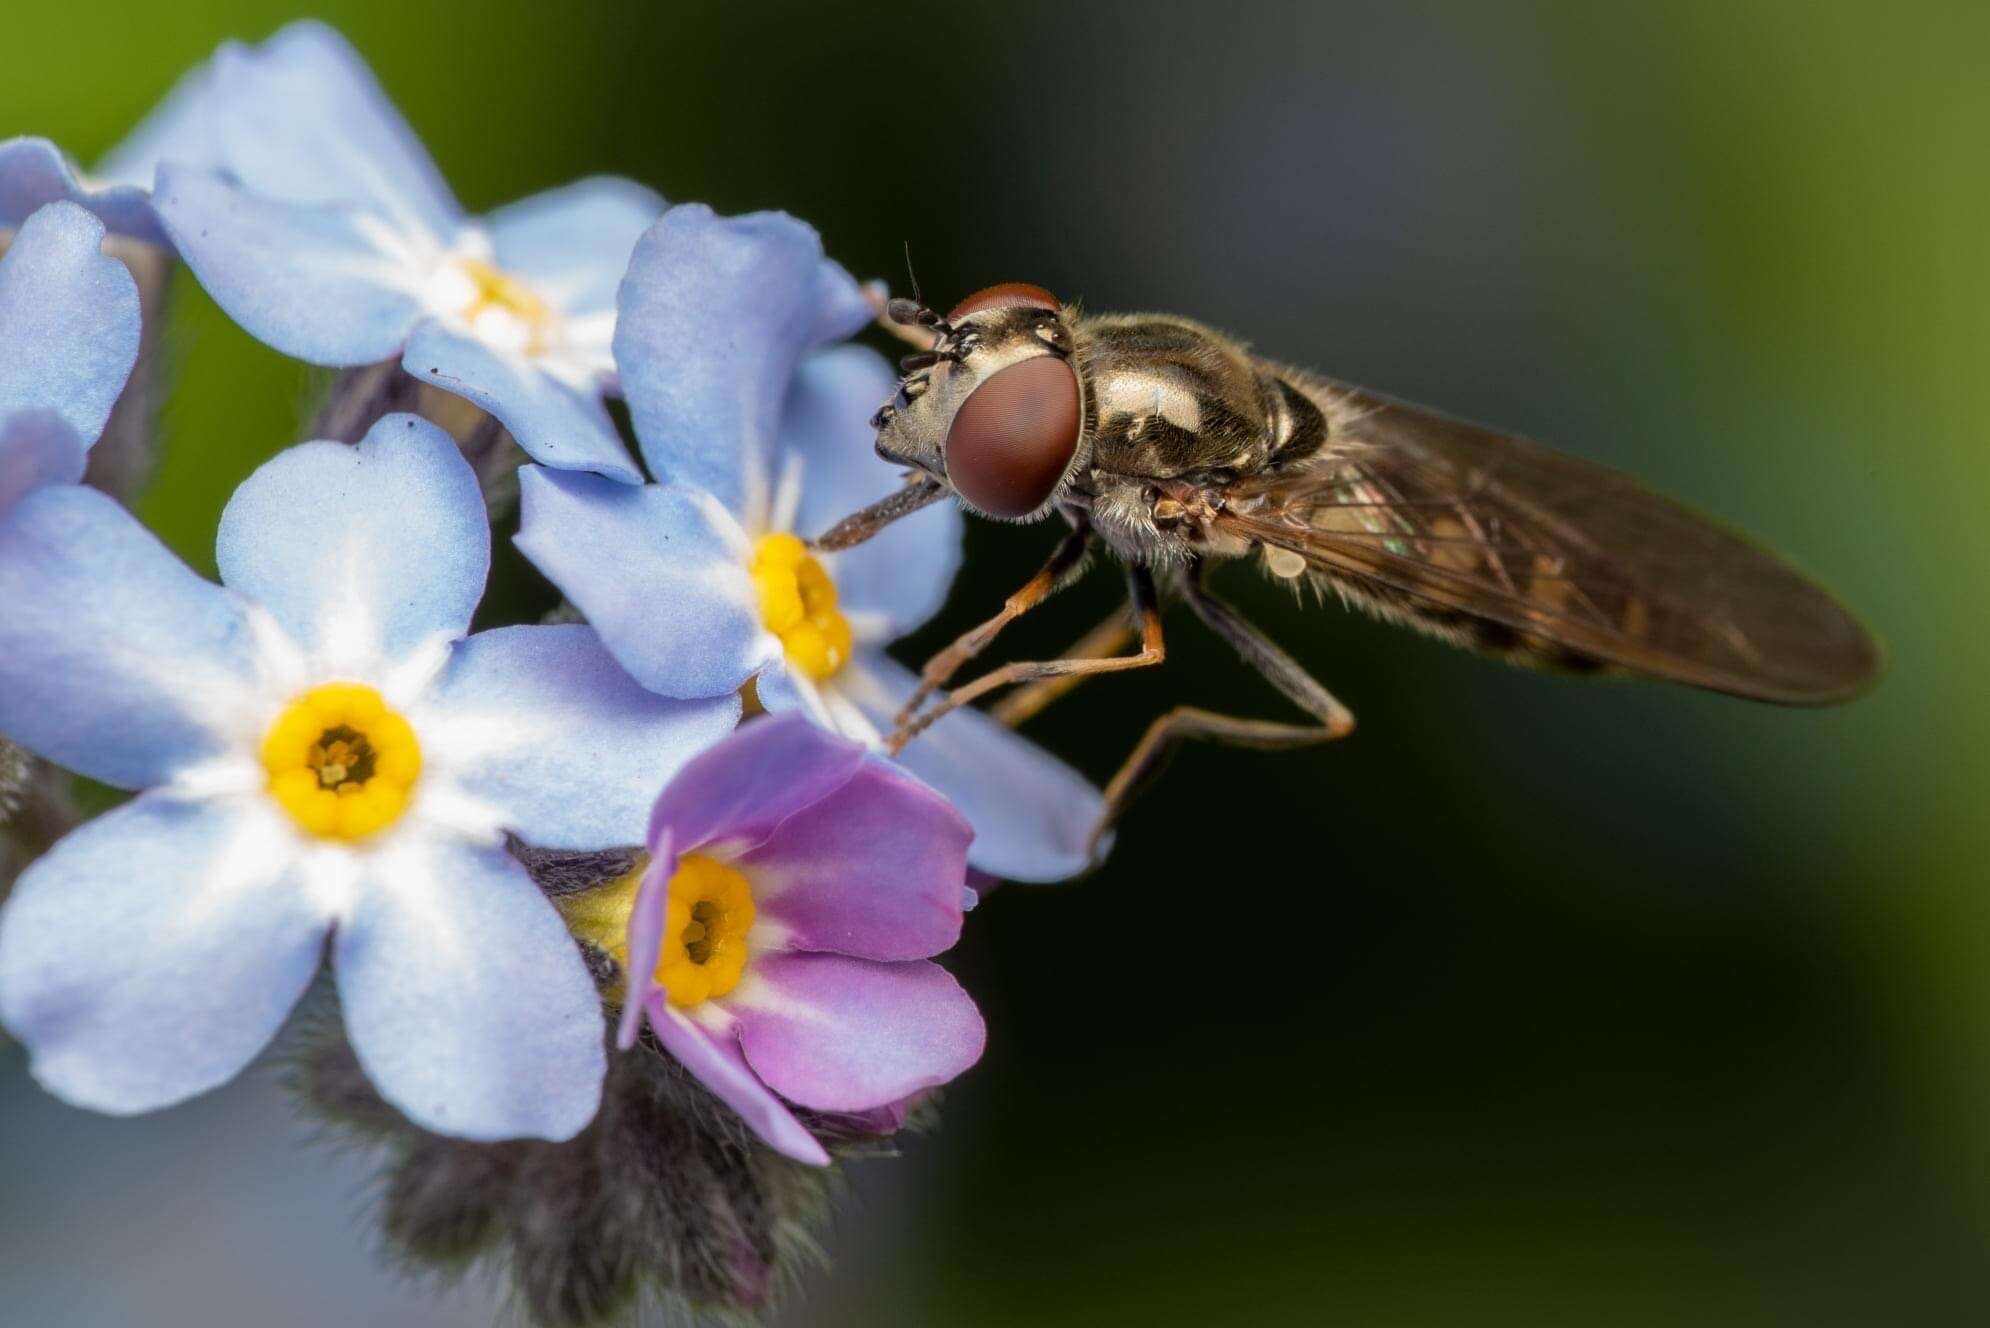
{"x":645,"y":940}
{"x":716,"y":1060}
{"x":742,"y":787}
{"x":839,"y":1034}
{"x":874,"y":870}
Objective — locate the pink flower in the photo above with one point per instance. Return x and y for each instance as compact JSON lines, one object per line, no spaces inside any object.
{"x":780,"y":941}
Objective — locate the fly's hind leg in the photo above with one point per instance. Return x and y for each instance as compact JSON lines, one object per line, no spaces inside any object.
{"x":1332,"y":719}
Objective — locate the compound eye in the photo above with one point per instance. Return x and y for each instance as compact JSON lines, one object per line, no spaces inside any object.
{"x":1008,"y":295}
{"x":1013,"y":438}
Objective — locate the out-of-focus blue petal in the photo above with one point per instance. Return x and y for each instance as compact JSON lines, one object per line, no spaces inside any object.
{"x":572,"y":244}
{"x":902,"y":573}
{"x":540,"y":724}
{"x":69,"y":321}
{"x":465,"y":998}
{"x":1031,"y":813}
{"x":179,"y":129}
{"x":361,"y":553}
{"x":557,"y":425}
{"x":115,"y":660}
{"x":36,"y":447}
{"x":34,"y":173}
{"x":714,"y":314}
{"x":151,"y":954}
{"x":660,"y":572}
{"x":302,"y":119}
{"x":318,"y":283}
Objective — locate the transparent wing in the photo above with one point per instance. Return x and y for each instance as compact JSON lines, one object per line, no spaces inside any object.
{"x":1498,"y":542}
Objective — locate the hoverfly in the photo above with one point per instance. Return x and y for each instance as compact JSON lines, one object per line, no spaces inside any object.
{"x":1176,"y":448}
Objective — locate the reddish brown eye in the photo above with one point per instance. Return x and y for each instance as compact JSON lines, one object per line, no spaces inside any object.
{"x":1008,"y":295}
{"x":1013,"y":437}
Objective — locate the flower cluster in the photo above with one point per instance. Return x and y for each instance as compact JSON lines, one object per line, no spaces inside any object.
{"x":332,"y":772}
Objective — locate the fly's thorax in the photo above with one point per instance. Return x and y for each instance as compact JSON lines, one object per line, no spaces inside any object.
{"x":1180,"y":412}
{"x":1174,"y":398}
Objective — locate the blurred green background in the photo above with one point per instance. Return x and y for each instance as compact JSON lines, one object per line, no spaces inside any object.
{"x":1538,"y":1002}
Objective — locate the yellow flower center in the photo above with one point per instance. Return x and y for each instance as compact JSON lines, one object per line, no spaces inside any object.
{"x":340,"y":762}
{"x":798,"y":604}
{"x":497,"y":296}
{"x":706,"y":917}
{"x":708,"y":910}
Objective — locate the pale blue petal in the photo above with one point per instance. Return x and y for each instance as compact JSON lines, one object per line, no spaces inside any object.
{"x":563,"y":745}
{"x":1031,"y":813}
{"x":34,"y":173}
{"x":361,"y":552}
{"x":902,"y":573}
{"x":315,"y":282}
{"x":555,"y":424}
{"x":466,"y":1000}
{"x":714,"y":314}
{"x":572,"y":244}
{"x":842,"y":309}
{"x":36,"y":448}
{"x":69,"y":321}
{"x":660,"y":572}
{"x":151,"y":954}
{"x":302,"y":119}
{"x":780,"y":693}
{"x":115,"y":660}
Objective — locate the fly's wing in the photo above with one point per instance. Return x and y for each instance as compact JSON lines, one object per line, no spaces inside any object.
{"x":1498,"y":542}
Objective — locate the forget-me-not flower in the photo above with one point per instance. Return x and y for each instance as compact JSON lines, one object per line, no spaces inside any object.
{"x":780,"y":937}
{"x":756,"y":422}
{"x":327,"y":761}
{"x":69,"y":333}
{"x":325,"y":230}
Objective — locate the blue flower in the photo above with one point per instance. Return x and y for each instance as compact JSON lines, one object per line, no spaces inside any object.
{"x":325,"y":230}
{"x":323,"y":753}
{"x":69,"y":331}
{"x":757,"y":425}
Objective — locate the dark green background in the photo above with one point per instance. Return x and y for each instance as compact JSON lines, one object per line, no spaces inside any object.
{"x":1538,"y":1002}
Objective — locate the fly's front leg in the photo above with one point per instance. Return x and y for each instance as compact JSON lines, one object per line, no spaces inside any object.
{"x":902,"y":319}
{"x":920,"y":491}
{"x":1069,"y":552}
{"x":1146,"y":605}
{"x":1332,"y":719}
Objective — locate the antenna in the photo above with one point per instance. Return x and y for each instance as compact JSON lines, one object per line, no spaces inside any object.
{"x":912,"y":276}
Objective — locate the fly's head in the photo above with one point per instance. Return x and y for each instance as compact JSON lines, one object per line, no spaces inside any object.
{"x":996,"y":409}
